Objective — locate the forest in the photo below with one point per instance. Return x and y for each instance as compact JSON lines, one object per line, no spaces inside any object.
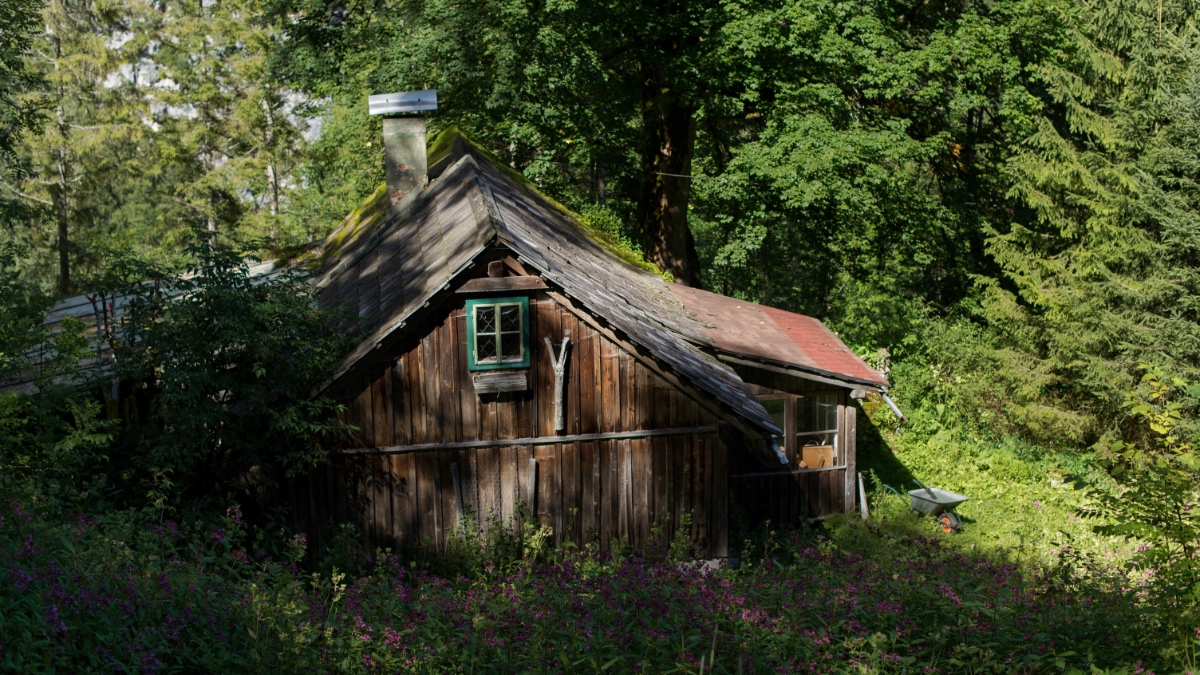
{"x":996,"y":202}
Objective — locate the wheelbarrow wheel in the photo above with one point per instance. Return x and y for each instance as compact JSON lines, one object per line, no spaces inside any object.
{"x":949,"y":522}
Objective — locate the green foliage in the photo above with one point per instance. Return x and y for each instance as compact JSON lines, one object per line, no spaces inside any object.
{"x":228,"y":361}
{"x":1103,"y":276}
{"x":1152,"y":491}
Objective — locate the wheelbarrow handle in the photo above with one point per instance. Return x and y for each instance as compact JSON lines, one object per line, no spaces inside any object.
{"x":931,"y":495}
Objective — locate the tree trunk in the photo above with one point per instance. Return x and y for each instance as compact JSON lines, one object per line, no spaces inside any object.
{"x":61,"y":208}
{"x":669,"y":126}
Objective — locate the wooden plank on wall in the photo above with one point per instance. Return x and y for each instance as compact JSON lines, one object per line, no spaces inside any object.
{"x":548,"y":326}
{"x":720,"y":502}
{"x":434,"y":428}
{"x":427,"y":506}
{"x":610,"y":497}
{"x":449,"y":405}
{"x":448,"y":502}
{"x":569,"y":489}
{"x":849,"y":500}
{"x":570,"y":329}
{"x":508,"y":486}
{"x":465,"y":393}
{"x":415,"y":368}
{"x":487,"y":463}
{"x":642,"y":478}
{"x":588,"y":355}
{"x":610,"y":399}
{"x":700,"y":491}
{"x":589,"y":492}
{"x":524,"y":482}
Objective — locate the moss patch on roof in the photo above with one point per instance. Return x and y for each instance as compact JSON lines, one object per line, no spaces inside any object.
{"x":446,"y":147}
{"x":367,"y":216}
{"x":443,"y":148}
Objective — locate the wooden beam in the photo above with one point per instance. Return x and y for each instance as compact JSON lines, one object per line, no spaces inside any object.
{"x":538,"y":440}
{"x":792,"y":472}
{"x":502,"y":285}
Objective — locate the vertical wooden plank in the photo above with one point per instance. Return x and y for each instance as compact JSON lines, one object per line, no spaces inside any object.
{"x":719,"y":513}
{"x":415,"y":369}
{"x":660,"y":508}
{"x":683,"y":476}
{"x":610,"y":498}
{"x":509,"y":415}
{"x":569,"y":491}
{"x":545,"y":496}
{"x":360,"y":410}
{"x":468,"y":481}
{"x":589,"y":492}
{"x":489,"y":418}
{"x":381,"y":502}
{"x":448,"y":502}
{"x":468,"y":400}
{"x":813,"y":495}
{"x":398,"y":395}
{"x":434,"y":428}
{"x":524,"y":485}
{"x":849,"y":500}
{"x":644,"y":395}
{"x":487,"y":463}
{"x":627,"y":393}
{"x":448,"y":399}
{"x":588,"y":357}
{"x":399,"y":499}
{"x":571,"y":389}
{"x":823,"y":487}
{"x":427,"y":507}
{"x":699,"y":490}
{"x":381,"y":402}
{"x":548,"y":326}
{"x":643,"y":478}
{"x":508,"y":486}
{"x":610,"y":393}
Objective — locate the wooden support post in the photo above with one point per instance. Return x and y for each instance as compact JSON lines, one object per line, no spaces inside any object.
{"x":862,"y":499}
{"x":560,"y":367}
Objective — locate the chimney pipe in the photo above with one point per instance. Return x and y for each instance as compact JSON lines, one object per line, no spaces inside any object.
{"x":404,"y":151}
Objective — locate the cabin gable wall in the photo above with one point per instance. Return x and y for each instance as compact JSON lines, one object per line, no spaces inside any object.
{"x":594,"y":488}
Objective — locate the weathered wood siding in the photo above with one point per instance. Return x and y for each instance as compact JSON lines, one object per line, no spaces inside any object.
{"x":596,"y":490}
{"x":783,"y":495}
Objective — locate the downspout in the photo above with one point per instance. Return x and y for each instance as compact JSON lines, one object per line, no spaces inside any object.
{"x":892,"y":405}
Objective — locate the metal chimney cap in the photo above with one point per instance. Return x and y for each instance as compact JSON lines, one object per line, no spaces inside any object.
{"x":402,"y":102}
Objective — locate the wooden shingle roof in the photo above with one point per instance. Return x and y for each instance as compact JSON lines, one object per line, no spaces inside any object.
{"x":404,"y":254}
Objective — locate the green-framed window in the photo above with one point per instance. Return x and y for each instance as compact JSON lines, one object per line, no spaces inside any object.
{"x":497,"y":333}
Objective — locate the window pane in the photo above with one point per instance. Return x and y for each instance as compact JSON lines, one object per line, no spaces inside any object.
{"x":510,"y":318}
{"x":776,"y":408}
{"x":485,"y":319}
{"x":485,"y":346}
{"x":510,"y":346}
{"x":817,"y":413}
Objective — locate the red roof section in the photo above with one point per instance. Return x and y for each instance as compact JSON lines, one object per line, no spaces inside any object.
{"x":765,"y":333}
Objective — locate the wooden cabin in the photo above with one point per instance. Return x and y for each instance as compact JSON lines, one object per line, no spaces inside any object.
{"x":513,"y":357}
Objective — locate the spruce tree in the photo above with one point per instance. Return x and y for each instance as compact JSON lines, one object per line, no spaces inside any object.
{"x":1103,"y":274}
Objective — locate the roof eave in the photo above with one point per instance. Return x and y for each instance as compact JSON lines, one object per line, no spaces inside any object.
{"x":806,"y":372}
